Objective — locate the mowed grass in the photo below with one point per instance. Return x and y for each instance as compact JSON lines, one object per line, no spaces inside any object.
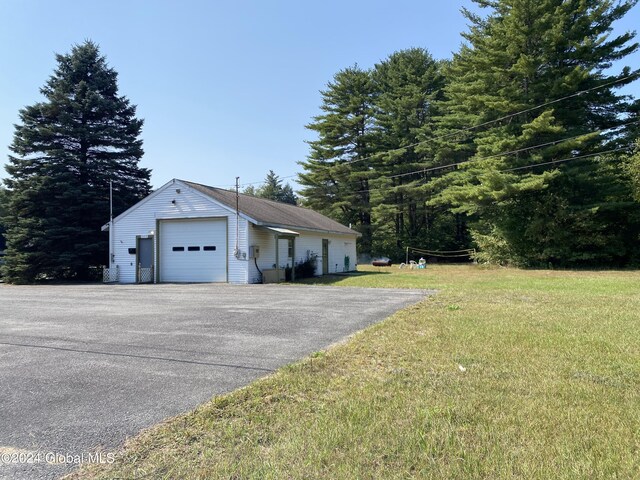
{"x":503,"y":374}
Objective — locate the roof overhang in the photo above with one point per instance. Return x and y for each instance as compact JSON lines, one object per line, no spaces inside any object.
{"x":305,"y":229}
{"x":282,"y":232}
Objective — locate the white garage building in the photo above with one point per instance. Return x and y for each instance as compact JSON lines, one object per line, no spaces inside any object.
{"x":188,"y":232}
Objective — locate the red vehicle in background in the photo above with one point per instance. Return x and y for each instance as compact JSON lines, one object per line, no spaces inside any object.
{"x":381,"y":262}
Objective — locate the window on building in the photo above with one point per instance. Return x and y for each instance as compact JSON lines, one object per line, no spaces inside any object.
{"x":193,"y":249}
{"x":209,"y":248}
{"x":178,"y":249}
{"x":290,"y":248}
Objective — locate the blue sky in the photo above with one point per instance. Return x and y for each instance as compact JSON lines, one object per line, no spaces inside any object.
{"x":225,"y":88}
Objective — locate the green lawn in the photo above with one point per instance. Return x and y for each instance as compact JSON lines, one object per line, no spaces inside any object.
{"x":503,"y":374}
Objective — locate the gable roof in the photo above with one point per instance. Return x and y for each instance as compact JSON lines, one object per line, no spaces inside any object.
{"x":271,"y":213}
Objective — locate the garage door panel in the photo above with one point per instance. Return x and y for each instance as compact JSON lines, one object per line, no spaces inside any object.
{"x":193,"y":250}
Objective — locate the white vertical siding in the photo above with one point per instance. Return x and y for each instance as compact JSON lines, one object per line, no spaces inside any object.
{"x":307,"y":243}
{"x":238,"y":268}
{"x":266,"y":241}
{"x":188,"y":203}
{"x":311,"y":243}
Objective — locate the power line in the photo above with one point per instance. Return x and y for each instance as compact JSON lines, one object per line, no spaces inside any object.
{"x":503,"y":154}
{"x":264,"y":181}
{"x":251,"y":183}
{"x":564,"y":160}
{"x":394,"y":206}
{"x":471,"y":128}
{"x":505,"y":117}
{"x":394,"y":209}
{"x":512,"y":152}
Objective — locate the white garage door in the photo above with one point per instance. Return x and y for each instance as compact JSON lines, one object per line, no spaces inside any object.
{"x":193,"y":250}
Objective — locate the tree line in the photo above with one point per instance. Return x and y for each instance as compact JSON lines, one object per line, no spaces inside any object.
{"x":519,"y":146}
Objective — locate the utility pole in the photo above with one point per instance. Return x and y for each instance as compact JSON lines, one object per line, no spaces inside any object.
{"x":111,"y":200}
{"x":236,"y":252}
{"x":111,"y":234}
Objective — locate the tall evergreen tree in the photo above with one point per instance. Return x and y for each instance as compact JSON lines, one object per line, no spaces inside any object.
{"x":523,"y":54}
{"x":287,"y":195}
{"x":66,"y":150}
{"x":409,"y":86}
{"x":337,"y":171}
{"x":273,"y":189}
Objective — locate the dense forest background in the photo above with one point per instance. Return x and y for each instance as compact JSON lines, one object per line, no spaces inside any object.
{"x":519,"y":146}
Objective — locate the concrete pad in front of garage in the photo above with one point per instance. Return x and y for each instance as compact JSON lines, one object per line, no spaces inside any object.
{"x":84,"y":367}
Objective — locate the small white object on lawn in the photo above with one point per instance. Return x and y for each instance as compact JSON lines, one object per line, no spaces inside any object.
{"x":461,"y":368}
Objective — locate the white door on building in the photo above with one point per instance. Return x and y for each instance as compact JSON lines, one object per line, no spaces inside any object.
{"x":193,"y":250}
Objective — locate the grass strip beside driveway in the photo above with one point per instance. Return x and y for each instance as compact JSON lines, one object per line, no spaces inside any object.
{"x":504,"y":374}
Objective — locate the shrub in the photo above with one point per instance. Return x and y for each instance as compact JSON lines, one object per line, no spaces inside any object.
{"x":304,"y":269}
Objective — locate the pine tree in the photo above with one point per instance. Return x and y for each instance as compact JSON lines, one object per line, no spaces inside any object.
{"x":250,"y":190}
{"x":526,"y":53}
{"x":66,"y":150}
{"x":337,"y":171}
{"x":409,"y":86}
{"x":273,"y":189}
{"x":287,"y":195}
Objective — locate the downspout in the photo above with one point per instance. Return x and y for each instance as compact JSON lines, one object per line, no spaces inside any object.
{"x":258,"y":268}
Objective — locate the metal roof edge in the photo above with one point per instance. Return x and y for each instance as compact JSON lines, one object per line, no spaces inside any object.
{"x":307,"y":229}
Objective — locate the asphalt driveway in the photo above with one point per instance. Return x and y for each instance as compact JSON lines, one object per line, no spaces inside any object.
{"x":84,"y":367}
